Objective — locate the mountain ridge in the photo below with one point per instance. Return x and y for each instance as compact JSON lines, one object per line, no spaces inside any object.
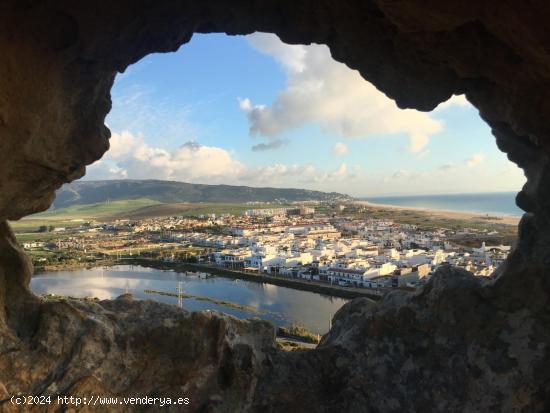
{"x":89,"y":192}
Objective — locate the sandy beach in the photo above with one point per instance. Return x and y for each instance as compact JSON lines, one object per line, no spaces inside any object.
{"x":493,"y":218}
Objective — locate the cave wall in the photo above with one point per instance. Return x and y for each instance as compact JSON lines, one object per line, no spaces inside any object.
{"x":59,"y":61}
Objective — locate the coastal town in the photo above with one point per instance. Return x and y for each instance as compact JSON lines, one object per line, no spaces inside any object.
{"x":343,"y":246}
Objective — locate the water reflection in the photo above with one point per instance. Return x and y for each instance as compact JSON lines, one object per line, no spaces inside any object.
{"x":280,"y":305}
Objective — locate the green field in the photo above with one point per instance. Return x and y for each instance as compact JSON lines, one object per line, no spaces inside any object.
{"x":100,"y":210}
{"x":76,"y":215}
{"x":188,"y":209}
{"x":428,"y":221}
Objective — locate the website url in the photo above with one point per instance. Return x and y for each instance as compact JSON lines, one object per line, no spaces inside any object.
{"x":99,"y":400}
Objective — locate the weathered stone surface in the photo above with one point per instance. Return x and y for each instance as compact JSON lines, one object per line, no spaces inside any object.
{"x":137,"y":349}
{"x":455,"y":346}
{"x":447,"y":348}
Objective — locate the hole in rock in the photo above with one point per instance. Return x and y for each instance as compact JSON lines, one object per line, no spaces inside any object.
{"x":253,"y":112}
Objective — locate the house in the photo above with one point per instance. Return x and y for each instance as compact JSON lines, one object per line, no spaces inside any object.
{"x":346,"y":276}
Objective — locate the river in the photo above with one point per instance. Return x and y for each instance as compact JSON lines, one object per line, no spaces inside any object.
{"x":280,"y":305}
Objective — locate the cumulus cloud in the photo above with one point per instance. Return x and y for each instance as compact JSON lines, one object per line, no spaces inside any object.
{"x":190,"y":161}
{"x":297,"y":175}
{"x":339,"y":173}
{"x":278,"y":174}
{"x":455,"y":100}
{"x":329,"y":93}
{"x":105,"y":170}
{"x":340,"y":149}
{"x":131,"y":157}
{"x":474,"y":160}
{"x":120,"y":145}
{"x":119,"y":172}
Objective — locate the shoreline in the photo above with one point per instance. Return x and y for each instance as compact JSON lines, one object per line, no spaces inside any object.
{"x":448,"y":214}
{"x":303,"y":285}
{"x":296,"y":284}
{"x":286,"y":337}
{"x":73,"y":266}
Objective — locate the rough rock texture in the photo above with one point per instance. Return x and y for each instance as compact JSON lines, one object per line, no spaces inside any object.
{"x":455,"y":346}
{"x":137,"y":349}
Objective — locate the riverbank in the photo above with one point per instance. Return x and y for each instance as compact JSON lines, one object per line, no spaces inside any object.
{"x":311,"y":286}
{"x":290,"y":338}
{"x":74,"y":266}
{"x":303,"y":285}
{"x":224,"y":303}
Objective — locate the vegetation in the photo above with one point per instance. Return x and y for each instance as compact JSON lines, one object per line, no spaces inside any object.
{"x":41,"y":226}
{"x":76,"y":216}
{"x":90,"y":211}
{"x":290,"y":346}
{"x":55,"y":297}
{"x":26,"y":236}
{"x":187,"y":210}
{"x":228,"y":304}
{"x":300,"y":332}
{"x":91,"y":192}
{"x":426,"y":220}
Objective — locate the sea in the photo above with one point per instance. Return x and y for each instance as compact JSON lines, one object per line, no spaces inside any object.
{"x":497,"y":203}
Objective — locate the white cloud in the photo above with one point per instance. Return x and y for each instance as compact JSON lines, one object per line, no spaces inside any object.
{"x":340,"y":149}
{"x":327,"y":92}
{"x":474,"y":160}
{"x":193,"y":162}
{"x":130,"y":156}
{"x":339,"y":173}
{"x":279,"y":174}
{"x":190,"y":161}
{"x":118,"y":172}
{"x":297,"y":175}
{"x":245,"y":104}
{"x":455,"y":100}
{"x":417,"y":142}
{"x":120,"y":145}
{"x":103,"y":170}
{"x":290,"y":56}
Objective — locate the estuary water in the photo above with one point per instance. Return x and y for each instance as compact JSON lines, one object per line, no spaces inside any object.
{"x":498,"y":203}
{"x":280,"y":305}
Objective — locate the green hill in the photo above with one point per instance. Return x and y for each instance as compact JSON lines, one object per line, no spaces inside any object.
{"x":93,"y":192}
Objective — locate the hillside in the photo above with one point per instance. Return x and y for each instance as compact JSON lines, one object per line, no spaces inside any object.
{"x":91,"y":192}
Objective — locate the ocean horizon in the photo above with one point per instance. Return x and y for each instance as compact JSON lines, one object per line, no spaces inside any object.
{"x":498,"y":203}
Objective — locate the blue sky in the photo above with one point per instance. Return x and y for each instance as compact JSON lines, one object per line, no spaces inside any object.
{"x":250,"y":110}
